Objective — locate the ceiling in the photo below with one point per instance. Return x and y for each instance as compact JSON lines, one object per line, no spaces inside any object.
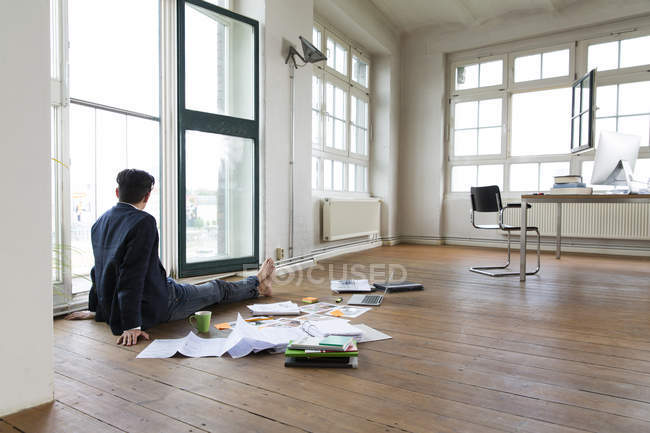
{"x":408,"y":15}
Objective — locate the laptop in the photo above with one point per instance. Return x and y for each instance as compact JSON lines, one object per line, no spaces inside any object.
{"x":404,"y":286}
{"x":369,"y":300}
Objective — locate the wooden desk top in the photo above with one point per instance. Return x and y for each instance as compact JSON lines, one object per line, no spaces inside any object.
{"x":605,"y":198}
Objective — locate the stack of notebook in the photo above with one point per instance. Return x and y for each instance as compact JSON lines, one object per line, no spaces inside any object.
{"x":570,"y":184}
{"x":333,"y":352}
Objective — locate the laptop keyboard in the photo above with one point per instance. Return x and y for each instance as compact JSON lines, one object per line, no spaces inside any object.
{"x":371,"y":299}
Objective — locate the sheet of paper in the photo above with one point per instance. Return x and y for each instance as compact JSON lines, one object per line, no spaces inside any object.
{"x":370,"y":334}
{"x":319,"y":307}
{"x":162,"y":348}
{"x":349,"y":311}
{"x":197,"y":347}
{"x":275,"y":309}
{"x":340,"y":286}
{"x":334,"y":326}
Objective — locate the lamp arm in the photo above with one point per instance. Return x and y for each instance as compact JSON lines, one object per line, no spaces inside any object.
{"x":291,"y":55}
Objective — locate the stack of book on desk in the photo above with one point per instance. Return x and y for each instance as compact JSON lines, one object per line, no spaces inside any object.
{"x":333,"y":352}
{"x":570,"y":185}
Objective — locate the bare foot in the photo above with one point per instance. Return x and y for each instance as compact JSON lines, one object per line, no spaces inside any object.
{"x":265,"y":287}
{"x":266,"y":271}
{"x":80,"y":315}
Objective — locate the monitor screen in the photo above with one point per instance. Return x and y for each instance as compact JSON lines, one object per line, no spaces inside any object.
{"x":583,"y":113}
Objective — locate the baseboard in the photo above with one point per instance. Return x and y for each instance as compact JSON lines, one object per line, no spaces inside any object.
{"x":549,"y":245}
{"x":421,"y":240}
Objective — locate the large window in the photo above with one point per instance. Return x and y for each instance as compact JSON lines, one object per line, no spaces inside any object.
{"x":107,"y":101}
{"x":340,"y":116}
{"x":105,"y":117}
{"x":509,"y":114}
{"x":218,"y":136}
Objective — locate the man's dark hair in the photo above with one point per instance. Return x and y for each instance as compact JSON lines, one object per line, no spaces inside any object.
{"x":134,"y":185}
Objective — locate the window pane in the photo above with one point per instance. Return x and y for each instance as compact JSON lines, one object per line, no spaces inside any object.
{"x":587,"y":171}
{"x":608,"y":124}
{"x":491,"y":73}
{"x":635,"y":52}
{"x":463,"y":177}
{"x":359,"y":112}
{"x":490,"y":112}
{"x":316,"y":38}
{"x":540,"y":122}
{"x":636,"y":125}
{"x":357,"y":178}
{"x":490,"y":175}
{"x":358,"y":140}
{"x":584,"y":129}
{"x":340,"y":100}
{"x":584,"y":99}
{"x":524,"y":177}
{"x":555,"y":64}
{"x":489,"y":141}
{"x":337,"y":175}
{"x":315,"y":128}
{"x":219,"y":183}
{"x":467,"y":77}
{"x":210,"y":84}
{"x":359,"y":71}
{"x":327,"y":174}
{"x":103,"y":143}
{"x":527,"y":68}
{"x":337,"y":56}
{"x":465,"y":142}
{"x":125,"y":62}
{"x":548,"y":171}
{"x":642,"y":170}
{"x":603,"y":56}
{"x":339,"y":134}
{"x":315,"y":174}
{"x":634,"y":98}
{"x":315,"y":92}
{"x":466,"y":115}
{"x":606,"y":101}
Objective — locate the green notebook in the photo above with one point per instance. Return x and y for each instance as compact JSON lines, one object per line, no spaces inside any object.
{"x":297,"y":353}
{"x":337,"y":341}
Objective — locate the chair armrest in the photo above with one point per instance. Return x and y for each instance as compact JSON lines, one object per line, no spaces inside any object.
{"x":517,"y":205}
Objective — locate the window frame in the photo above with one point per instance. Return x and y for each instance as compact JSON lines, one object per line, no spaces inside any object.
{"x":327,"y":34}
{"x":478,"y":60}
{"x":452,"y":122}
{"x":190,"y":120}
{"x":351,"y":87}
{"x":583,"y":47}
{"x":364,"y":97}
{"x":535,"y":84}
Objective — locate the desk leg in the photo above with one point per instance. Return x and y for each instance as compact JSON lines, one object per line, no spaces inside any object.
{"x":558,"y":227}
{"x":522,"y":240}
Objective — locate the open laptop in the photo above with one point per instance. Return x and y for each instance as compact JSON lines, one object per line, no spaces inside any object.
{"x":369,"y":300}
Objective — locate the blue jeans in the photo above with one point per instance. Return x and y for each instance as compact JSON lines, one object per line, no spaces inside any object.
{"x":186,"y":299}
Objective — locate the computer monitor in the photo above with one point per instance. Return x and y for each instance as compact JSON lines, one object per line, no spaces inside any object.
{"x":616,"y":156}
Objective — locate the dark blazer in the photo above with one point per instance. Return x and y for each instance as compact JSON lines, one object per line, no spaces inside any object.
{"x":129,"y":283}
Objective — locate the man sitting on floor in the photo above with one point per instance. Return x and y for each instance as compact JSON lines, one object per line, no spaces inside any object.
{"x":130,"y":290}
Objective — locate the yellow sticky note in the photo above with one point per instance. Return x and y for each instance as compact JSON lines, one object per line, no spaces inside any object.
{"x":336,"y":313}
{"x":223,"y":325}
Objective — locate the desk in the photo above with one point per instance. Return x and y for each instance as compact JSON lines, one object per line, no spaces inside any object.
{"x":559,"y":199}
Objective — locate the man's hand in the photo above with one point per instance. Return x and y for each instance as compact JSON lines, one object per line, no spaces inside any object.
{"x":80,"y":315}
{"x":130,"y":337}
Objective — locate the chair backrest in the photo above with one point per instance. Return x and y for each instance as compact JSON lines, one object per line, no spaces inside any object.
{"x":486,"y":198}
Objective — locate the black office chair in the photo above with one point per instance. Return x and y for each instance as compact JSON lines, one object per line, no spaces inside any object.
{"x":488,"y":199}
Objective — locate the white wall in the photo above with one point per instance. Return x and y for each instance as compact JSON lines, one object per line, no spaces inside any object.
{"x":26,"y":308}
{"x":426,"y":215}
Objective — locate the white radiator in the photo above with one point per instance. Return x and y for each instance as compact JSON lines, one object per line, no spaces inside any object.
{"x":589,"y":220}
{"x":348,"y":218}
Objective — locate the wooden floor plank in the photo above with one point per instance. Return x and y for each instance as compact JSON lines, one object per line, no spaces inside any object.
{"x":566,"y":352}
{"x":58,"y":418}
{"x":310,"y":406}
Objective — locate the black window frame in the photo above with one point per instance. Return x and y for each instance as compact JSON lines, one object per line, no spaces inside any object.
{"x":218,"y":124}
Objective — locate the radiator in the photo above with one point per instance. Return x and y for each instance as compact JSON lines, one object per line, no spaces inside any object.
{"x":589,"y":220}
{"x":348,"y":218}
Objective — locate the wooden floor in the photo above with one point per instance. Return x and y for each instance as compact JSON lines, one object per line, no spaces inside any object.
{"x":567,"y":351}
